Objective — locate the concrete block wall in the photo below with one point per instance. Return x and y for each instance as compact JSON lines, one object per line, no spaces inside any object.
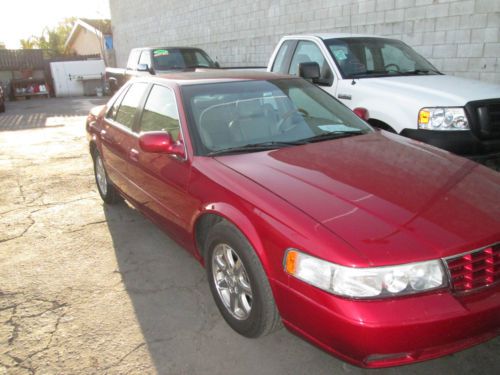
{"x":460,"y":37}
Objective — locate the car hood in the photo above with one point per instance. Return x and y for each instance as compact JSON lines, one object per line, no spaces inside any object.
{"x":393,"y":199}
{"x":431,"y":90}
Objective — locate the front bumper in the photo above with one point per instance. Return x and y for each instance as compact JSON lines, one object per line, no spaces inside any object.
{"x":389,"y":332}
{"x":463,"y":143}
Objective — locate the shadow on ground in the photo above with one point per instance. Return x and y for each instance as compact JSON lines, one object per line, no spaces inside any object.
{"x":185,"y":333}
{"x":35,"y":113}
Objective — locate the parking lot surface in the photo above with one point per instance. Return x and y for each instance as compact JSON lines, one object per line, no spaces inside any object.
{"x":87,"y":288}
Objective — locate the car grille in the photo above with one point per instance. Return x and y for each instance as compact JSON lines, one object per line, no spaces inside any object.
{"x":484,"y":116}
{"x":476,"y":269}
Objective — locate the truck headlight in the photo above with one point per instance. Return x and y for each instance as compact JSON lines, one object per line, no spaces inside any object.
{"x":372,"y":282}
{"x":443,"y":118}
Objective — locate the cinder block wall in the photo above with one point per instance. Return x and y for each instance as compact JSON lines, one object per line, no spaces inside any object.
{"x":460,"y":37}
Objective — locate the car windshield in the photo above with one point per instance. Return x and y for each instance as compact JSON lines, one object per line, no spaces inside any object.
{"x":177,"y":58}
{"x":248,"y":116}
{"x":376,"y":57}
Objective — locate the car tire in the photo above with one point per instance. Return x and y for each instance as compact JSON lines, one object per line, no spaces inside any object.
{"x":107,"y":191}
{"x":238,"y":282}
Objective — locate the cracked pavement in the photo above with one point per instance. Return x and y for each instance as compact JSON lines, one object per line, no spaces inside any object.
{"x":87,"y":288}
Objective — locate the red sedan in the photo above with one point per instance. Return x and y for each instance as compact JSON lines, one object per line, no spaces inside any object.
{"x":378,"y":249}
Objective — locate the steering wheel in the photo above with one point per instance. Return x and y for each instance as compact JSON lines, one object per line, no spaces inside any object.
{"x":396,"y":66}
{"x":286,"y":124}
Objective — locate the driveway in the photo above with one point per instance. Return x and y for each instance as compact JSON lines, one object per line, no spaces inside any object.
{"x":87,"y":288}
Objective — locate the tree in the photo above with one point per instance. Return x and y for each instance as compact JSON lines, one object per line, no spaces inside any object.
{"x":52,"y":39}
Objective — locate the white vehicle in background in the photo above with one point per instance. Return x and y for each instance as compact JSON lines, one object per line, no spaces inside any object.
{"x":394,"y":88}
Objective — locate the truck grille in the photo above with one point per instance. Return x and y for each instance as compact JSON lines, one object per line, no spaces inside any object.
{"x":484,"y":116}
{"x":476,"y":269}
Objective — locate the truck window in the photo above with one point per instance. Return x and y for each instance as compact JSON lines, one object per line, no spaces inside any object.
{"x":307,"y":51}
{"x":145,"y":58}
{"x":133,"y":59}
{"x":395,"y":56}
{"x":160,"y":112}
{"x":280,"y":62}
{"x":126,"y":113}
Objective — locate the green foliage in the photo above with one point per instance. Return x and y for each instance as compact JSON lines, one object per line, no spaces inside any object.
{"x":52,"y":39}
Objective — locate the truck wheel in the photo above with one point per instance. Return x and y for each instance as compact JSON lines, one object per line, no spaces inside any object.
{"x":106,"y":190}
{"x":238,"y":283}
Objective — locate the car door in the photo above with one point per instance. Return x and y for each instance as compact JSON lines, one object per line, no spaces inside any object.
{"x":118,"y":138}
{"x":161,"y":178}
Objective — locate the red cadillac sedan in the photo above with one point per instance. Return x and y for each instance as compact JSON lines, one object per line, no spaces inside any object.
{"x":378,"y":249}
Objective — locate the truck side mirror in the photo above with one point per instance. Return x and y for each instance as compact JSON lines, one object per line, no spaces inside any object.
{"x":142,"y":68}
{"x":309,"y":70}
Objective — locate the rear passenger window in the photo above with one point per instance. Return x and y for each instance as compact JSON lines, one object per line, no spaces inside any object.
{"x":126,"y":113}
{"x":160,"y":112}
{"x":114,"y":108}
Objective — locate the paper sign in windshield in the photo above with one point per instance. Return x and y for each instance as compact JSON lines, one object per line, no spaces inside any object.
{"x":340,"y":54}
{"x":160,"y":52}
{"x":336,"y":128}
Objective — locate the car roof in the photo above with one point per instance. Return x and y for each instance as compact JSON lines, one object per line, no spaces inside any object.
{"x":325,"y":36}
{"x":215,"y":76}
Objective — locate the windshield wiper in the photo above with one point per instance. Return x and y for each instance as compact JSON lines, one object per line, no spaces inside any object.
{"x":254,"y":147}
{"x":417,"y":71}
{"x":367,"y":73}
{"x":332,"y":135}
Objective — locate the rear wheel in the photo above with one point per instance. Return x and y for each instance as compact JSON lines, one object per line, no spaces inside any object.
{"x":238,"y":283}
{"x":106,"y":190}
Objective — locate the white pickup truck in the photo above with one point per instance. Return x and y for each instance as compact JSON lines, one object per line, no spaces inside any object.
{"x":394,"y":88}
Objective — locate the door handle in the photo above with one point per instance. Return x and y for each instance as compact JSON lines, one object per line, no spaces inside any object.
{"x":104,"y":136}
{"x":134,"y":154}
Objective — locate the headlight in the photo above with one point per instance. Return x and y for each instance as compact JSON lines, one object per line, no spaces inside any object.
{"x":371,"y":282}
{"x":442,"y":118}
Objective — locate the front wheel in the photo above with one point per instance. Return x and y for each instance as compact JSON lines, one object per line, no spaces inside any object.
{"x":106,"y":190}
{"x":238,"y":283}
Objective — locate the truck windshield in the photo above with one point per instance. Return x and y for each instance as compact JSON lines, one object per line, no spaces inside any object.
{"x":376,"y":57}
{"x":249,"y":116}
{"x":180,"y":58}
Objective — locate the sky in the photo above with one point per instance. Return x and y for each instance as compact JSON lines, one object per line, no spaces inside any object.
{"x":21,"y":19}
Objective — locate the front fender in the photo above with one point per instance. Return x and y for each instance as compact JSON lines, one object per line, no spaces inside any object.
{"x":239,"y":219}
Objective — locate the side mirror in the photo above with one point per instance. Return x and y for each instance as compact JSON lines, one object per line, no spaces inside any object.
{"x":161,"y":143}
{"x":309,"y":70}
{"x":217,"y":65}
{"x":143,"y":68}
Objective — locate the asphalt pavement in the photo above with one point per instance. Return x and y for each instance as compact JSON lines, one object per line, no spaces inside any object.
{"x":87,"y":288}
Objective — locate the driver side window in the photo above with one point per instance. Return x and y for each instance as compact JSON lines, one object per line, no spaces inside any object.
{"x":145,"y":58}
{"x":307,"y":51}
{"x":160,"y":112}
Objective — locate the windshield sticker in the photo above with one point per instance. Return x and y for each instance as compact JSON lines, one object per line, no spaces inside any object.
{"x":336,"y":128}
{"x":340,"y":54}
{"x":160,"y":52}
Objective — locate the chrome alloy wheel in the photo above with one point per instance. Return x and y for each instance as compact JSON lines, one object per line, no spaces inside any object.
{"x":231,"y":281}
{"x":100,"y":175}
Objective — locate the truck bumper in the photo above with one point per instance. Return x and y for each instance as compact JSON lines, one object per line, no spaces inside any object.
{"x":462,"y":143}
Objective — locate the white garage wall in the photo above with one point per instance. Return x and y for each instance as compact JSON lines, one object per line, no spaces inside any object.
{"x":460,"y":37}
